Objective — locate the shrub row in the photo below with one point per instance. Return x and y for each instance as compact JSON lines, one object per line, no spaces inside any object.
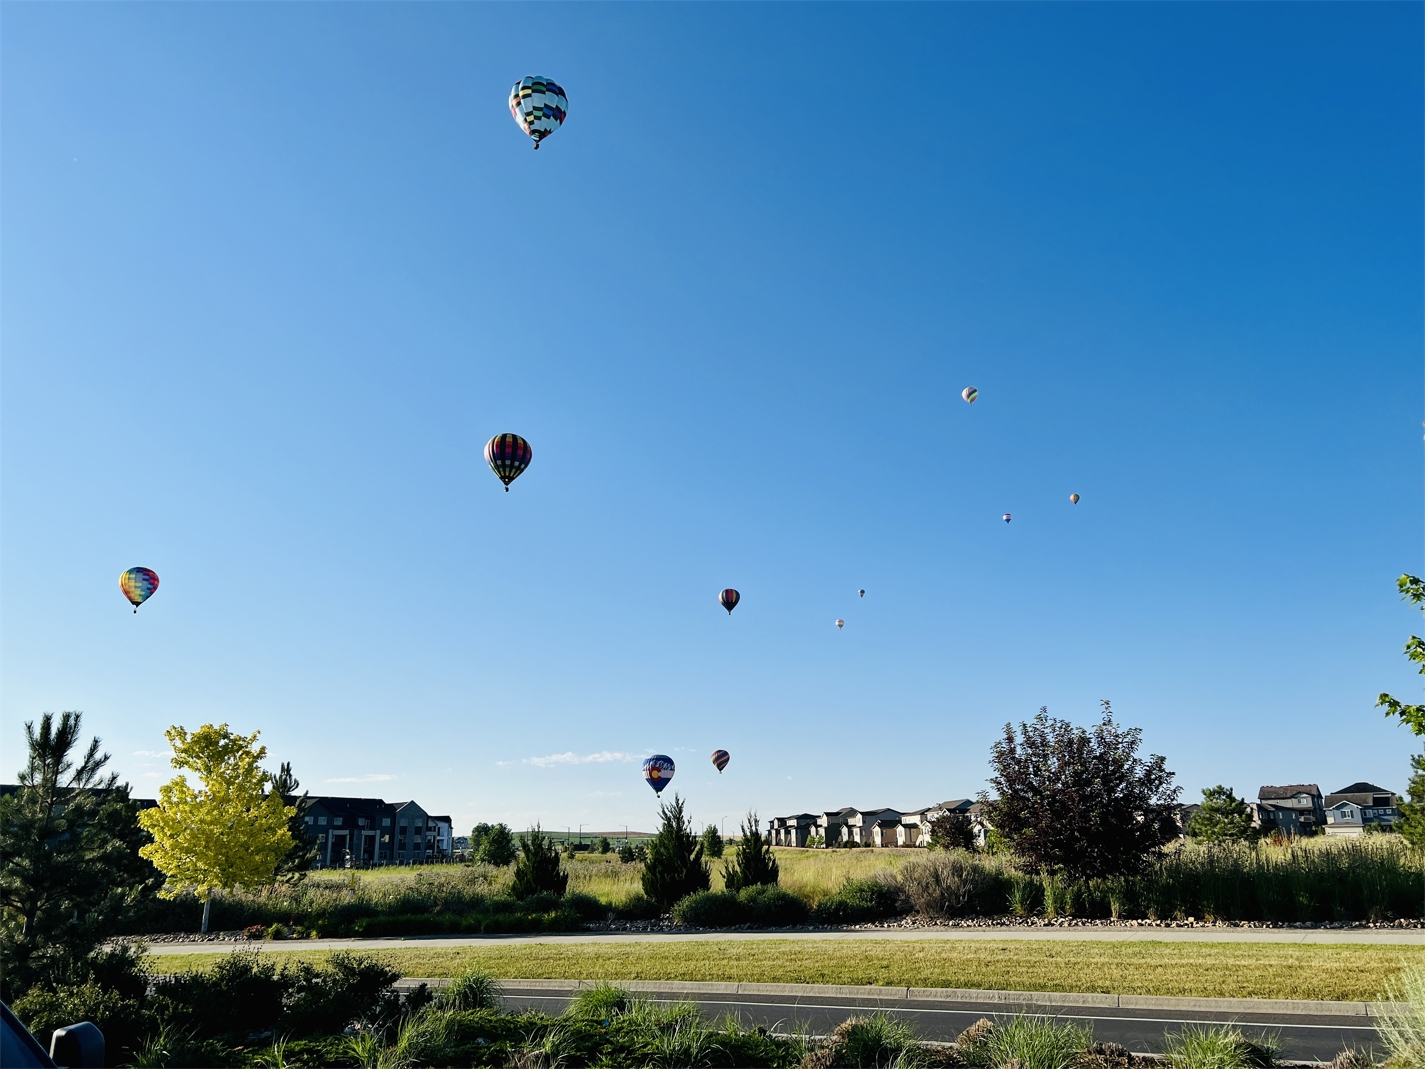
{"x":762,"y":906}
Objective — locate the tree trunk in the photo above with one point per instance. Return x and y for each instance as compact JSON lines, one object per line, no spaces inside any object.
{"x":207,"y":902}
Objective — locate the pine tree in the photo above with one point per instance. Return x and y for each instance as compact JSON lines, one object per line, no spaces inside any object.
{"x":712,"y":841}
{"x":231,"y":831}
{"x":537,"y":868}
{"x":1222,"y":818}
{"x":753,"y":862}
{"x":675,"y":867}
{"x":293,"y":867}
{"x":1412,"y":813}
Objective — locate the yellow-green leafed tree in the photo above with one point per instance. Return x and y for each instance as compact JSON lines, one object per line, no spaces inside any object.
{"x":229,"y":832}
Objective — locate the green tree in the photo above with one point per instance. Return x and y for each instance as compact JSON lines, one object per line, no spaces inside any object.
{"x":604,"y":846}
{"x":951,"y":831}
{"x":1412,"y":716}
{"x":69,"y":864}
{"x":293,"y":867}
{"x":229,"y":832}
{"x":1222,"y":818}
{"x":712,"y":841}
{"x":753,"y":862}
{"x":626,"y":853}
{"x":1412,"y":812}
{"x":1080,"y":803}
{"x":537,"y":867}
{"x":494,"y":844}
{"x":675,"y":866}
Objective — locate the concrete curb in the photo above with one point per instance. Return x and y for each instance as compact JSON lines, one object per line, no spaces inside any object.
{"x":1008,"y":999}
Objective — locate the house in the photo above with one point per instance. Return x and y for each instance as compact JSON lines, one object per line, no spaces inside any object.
{"x":1293,"y":809}
{"x":350,"y":831}
{"x":873,"y":827}
{"x":1183,"y":815}
{"x":915,"y":826}
{"x":444,"y":836}
{"x":794,"y":830}
{"x":415,"y":834}
{"x":1351,"y":809}
{"x":831,"y":825}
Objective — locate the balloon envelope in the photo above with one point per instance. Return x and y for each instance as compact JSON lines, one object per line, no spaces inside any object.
{"x":840,"y":624}
{"x":1074,"y":499}
{"x":969,"y":393}
{"x":138,"y":585}
{"x":539,"y":106}
{"x":720,"y":758}
{"x":728,"y":599}
{"x":508,"y":455}
{"x":862,"y":593}
{"x":658,"y":770}
{"x":1006,"y":517}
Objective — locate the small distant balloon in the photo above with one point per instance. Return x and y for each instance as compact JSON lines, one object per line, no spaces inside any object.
{"x":1074,"y":499}
{"x":539,"y":106}
{"x":969,"y":393}
{"x":728,"y":599}
{"x":508,"y":455}
{"x":861,"y":593}
{"x":1007,"y":517}
{"x":138,"y":585}
{"x":840,"y":624}
{"x":658,"y":770}
{"x":720,"y":758}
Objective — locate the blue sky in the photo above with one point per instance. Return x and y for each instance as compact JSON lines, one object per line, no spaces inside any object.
{"x":272,"y":274}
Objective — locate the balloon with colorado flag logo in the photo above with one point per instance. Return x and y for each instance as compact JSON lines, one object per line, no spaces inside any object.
{"x":658,"y":770}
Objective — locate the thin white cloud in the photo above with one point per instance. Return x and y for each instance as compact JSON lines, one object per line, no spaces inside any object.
{"x":374,"y":777}
{"x":571,"y":758}
{"x":153,"y":753}
{"x":151,"y":775}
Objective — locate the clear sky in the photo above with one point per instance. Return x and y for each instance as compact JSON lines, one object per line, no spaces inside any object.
{"x":273,"y":273}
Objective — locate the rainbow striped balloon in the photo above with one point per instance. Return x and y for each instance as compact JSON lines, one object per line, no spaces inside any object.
{"x":508,"y":455}
{"x":138,"y":585}
{"x":721,"y":758}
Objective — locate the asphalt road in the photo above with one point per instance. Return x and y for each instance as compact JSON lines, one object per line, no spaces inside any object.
{"x":1303,"y":1037}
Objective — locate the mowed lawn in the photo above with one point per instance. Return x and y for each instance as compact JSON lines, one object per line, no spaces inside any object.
{"x":1203,"y":970}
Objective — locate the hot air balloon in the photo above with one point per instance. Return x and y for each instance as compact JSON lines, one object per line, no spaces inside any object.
{"x":720,"y":759}
{"x":840,"y":624}
{"x":1073,"y":499}
{"x":969,"y":393}
{"x":1006,"y":517}
{"x":539,"y":106}
{"x":138,"y":585}
{"x":658,"y":770}
{"x":728,"y":599}
{"x":861,"y":593}
{"x":508,"y":455}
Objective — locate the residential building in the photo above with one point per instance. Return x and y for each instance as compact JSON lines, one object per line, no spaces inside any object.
{"x":350,"y":831}
{"x":1351,"y":809}
{"x":794,"y":830}
{"x":415,"y":834}
{"x":444,"y":836}
{"x":915,"y":826}
{"x":1293,"y":809}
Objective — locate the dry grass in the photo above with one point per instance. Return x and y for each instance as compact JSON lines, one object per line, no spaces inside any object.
{"x":1202,"y":970}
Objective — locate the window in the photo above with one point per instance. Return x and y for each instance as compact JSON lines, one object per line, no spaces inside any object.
{"x":336,"y":821}
{"x":321,"y":820}
{"x":385,"y":822}
{"x":309,"y":820}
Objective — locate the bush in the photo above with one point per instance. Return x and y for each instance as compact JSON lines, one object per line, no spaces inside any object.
{"x":349,"y":987}
{"x":537,"y":868}
{"x":1218,"y":1047}
{"x":493,"y":844}
{"x":625,"y":852}
{"x":602,"y":1002}
{"x":603,"y":846}
{"x":124,"y":1021}
{"x":952,"y":884}
{"x":242,"y":992}
{"x":710,"y":909}
{"x":1032,"y":1042}
{"x":877,"y":1040}
{"x":712,"y":841}
{"x":638,"y":908}
{"x":472,"y":990}
{"x":768,"y":906}
{"x":587,"y":908}
{"x":859,"y":901}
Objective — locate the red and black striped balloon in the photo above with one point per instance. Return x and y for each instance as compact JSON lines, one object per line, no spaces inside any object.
{"x":728,"y":599}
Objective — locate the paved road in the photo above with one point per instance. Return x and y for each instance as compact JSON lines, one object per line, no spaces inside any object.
{"x":1369,"y":936}
{"x":1303,"y":1037}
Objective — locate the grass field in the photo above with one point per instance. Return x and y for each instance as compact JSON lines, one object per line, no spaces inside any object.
{"x":1201,"y":970}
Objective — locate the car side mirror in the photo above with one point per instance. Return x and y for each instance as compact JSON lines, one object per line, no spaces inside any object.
{"x":77,"y":1046}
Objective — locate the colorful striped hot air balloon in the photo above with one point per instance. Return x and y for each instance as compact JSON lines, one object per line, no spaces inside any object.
{"x":720,"y":759}
{"x":1073,"y":499}
{"x":658,"y":770}
{"x":539,"y":106}
{"x":508,"y":455}
{"x":728,"y":599}
{"x":969,"y":393}
{"x":138,"y":585}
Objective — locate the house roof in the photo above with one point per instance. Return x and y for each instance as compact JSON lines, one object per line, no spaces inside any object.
{"x":1362,"y":788}
{"x":444,"y":818}
{"x":1288,"y":791}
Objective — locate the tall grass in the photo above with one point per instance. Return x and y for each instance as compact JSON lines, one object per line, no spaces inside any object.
{"x":1402,"y":1022}
{"x":1222,"y":1046}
